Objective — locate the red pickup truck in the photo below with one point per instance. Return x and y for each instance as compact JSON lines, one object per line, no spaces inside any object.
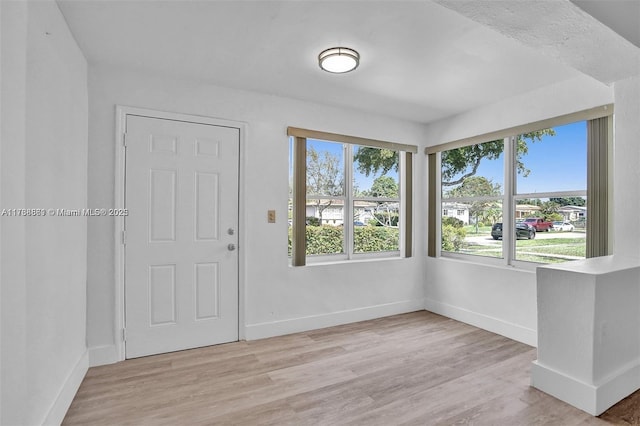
{"x":539,"y":224}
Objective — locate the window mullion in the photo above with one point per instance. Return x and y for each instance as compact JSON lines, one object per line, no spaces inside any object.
{"x":508,"y":203}
{"x":471,"y":199}
{"x":597,"y":243}
{"x":299,"y":241}
{"x":407,"y":204}
{"x":435,"y":205}
{"x":348,"y":203}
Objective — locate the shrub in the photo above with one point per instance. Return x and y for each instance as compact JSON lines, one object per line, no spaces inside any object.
{"x":328,"y":239}
{"x":553,"y":217}
{"x":324,"y":239}
{"x":375,"y":238}
{"x":452,"y":221}
{"x":452,"y":238}
{"x":313,"y":221}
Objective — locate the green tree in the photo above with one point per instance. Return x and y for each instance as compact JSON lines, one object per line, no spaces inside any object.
{"x":457,"y":164}
{"x":549,"y":211}
{"x":492,"y":213}
{"x":462,"y":163}
{"x":384,"y":187}
{"x":385,"y":214}
{"x":325,"y":177}
{"x":569,"y":201}
{"x":477,"y":186}
{"x":372,"y":160}
{"x":530,"y":201}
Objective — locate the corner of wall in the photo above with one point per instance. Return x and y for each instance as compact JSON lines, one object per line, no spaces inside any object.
{"x":68,"y":390}
{"x":495,"y":325}
{"x":593,"y":399}
{"x":296,"y":325}
{"x":103,"y":355}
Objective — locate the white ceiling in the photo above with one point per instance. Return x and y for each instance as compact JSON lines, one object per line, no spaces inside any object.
{"x":559,"y":29}
{"x":623,"y":16}
{"x":420,"y":61}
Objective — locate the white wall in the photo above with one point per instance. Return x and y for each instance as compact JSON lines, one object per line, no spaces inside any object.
{"x":12,"y":249}
{"x":44,"y":165}
{"x":626,"y":173}
{"x":278,"y":299}
{"x":588,"y":340}
{"x":501,"y":299}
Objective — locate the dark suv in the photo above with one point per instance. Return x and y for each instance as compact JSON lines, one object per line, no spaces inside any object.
{"x":522,"y":231}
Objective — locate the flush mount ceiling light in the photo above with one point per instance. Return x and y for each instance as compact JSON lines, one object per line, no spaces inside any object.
{"x":339,"y":60}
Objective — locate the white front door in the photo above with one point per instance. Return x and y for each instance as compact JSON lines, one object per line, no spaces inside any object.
{"x":181,"y":260}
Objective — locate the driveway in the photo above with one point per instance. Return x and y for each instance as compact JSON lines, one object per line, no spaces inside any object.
{"x":485,"y":239}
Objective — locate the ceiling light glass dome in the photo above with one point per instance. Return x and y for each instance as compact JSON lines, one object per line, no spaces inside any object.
{"x":339,"y":60}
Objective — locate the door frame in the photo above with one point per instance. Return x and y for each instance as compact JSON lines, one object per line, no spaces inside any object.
{"x":119,"y":196}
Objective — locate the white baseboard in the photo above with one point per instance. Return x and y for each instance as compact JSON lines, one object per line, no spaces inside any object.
{"x":575,"y":392}
{"x":495,"y":325}
{"x":103,"y":355}
{"x":618,"y":386}
{"x":68,"y":391}
{"x":594,"y":399}
{"x":313,"y":322}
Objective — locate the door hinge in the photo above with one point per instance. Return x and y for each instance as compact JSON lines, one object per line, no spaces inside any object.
{"x":124,"y":139}
{"x":124,"y":237}
{"x":124,"y":334}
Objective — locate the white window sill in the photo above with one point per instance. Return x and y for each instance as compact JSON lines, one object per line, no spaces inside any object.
{"x":378,"y":257}
{"x":496,"y":263}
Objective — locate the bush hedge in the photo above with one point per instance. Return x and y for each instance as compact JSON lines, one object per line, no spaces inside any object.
{"x":453,"y":221}
{"x":328,"y":239}
{"x":368,"y":239}
{"x":453,"y":238}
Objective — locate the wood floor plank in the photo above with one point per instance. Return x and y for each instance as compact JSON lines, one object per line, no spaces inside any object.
{"x":415,"y":369}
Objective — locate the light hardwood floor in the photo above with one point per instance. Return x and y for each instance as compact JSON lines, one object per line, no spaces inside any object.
{"x":415,"y":369}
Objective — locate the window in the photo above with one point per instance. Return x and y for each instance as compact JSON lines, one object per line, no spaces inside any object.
{"x":551,"y":185}
{"x":476,"y":192}
{"x":349,"y":197}
{"x":548,"y":185}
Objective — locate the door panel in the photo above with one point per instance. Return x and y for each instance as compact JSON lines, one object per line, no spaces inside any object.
{"x":207,"y":198}
{"x":181,"y":278}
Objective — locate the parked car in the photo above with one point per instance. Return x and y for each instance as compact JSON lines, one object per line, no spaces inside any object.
{"x":522,"y":231}
{"x":539,"y":224}
{"x":563,"y":226}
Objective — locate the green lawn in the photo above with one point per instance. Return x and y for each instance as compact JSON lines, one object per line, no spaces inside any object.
{"x":471,"y":230}
{"x":551,"y":242}
{"x":491,"y":249}
{"x":553,"y":250}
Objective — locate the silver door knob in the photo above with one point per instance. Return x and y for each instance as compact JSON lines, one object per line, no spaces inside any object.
{"x":231,"y":247}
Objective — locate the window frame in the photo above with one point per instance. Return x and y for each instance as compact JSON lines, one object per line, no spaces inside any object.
{"x":599,"y":141}
{"x":299,"y":196}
